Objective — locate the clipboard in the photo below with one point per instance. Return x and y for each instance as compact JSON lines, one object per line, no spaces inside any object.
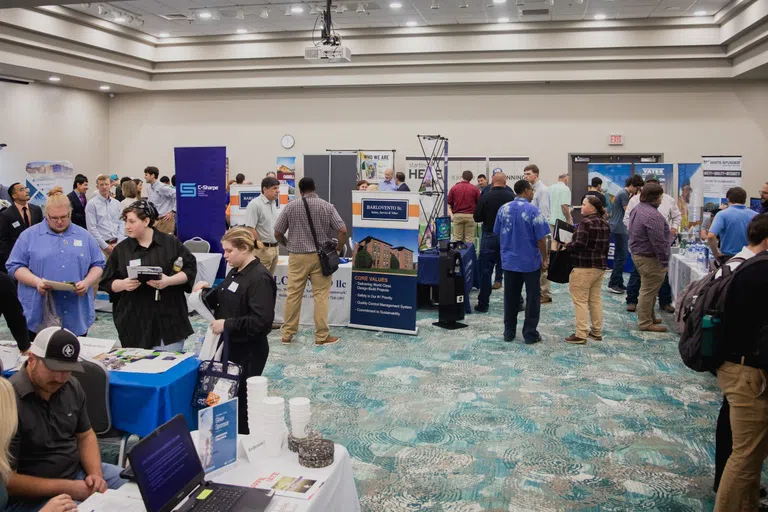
{"x":563,"y":232}
{"x":60,"y":286}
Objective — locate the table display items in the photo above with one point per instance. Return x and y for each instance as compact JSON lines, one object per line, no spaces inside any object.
{"x":272,"y":425}
{"x":218,"y":381}
{"x":293,"y":442}
{"x":256,"y":393}
{"x":316,"y":453}
{"x":300,"y":414}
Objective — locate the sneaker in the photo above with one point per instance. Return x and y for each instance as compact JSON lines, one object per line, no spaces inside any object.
{"x":616,"y":290}
{"x":594,"y":336}
{"x":575,"y":340}
{"x":481,"y":309}
{"x":546,"y":300}
{"x":622,"y":288}
{"x":496,"y":285}
{"x":330,"y":340}
{"x":631,"y":308}
{"x":287,"y":341}
{"x":669,"y":308}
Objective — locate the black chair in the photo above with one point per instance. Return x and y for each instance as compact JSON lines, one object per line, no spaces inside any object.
{"x":95,"y":383}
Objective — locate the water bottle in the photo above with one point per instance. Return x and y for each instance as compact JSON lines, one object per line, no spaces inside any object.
{"x":700,"y":257}
{"x":709,"y":325}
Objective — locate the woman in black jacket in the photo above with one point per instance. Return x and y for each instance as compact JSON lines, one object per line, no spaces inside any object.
{"x":244,"y":307}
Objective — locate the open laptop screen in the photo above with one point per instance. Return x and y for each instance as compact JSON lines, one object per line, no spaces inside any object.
{"x":166,"y":466}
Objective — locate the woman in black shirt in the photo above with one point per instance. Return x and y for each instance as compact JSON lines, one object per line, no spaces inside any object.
{"x":151,"y":314}
{"x":244,"y":307}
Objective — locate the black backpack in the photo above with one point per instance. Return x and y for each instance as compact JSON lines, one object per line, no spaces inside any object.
{"x":700,"y":310}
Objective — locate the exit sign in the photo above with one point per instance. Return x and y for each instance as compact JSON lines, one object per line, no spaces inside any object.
{"x":616,"y":139}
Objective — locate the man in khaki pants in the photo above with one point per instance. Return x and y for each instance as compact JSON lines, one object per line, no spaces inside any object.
{"x":304,"y":262}
{"x":649,"y":242}
{"x":463,"y":198}
{"x":260,"y":216}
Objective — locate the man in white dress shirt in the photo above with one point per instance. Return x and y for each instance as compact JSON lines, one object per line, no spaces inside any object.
{"x":541,"y":201}
{"x":164,"y":198}
{"x":102,"y":216}
{"x":260,"y":216}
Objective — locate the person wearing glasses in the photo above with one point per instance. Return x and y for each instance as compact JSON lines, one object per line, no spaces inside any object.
{"x":57,"y":250}
{"x":764,"y":197}
{"x":16,"y":219}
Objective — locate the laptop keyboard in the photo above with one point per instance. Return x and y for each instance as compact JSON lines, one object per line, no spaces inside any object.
{"x":222,"y":498}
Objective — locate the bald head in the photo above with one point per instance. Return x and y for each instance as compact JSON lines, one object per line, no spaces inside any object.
{"x":499,"y":179}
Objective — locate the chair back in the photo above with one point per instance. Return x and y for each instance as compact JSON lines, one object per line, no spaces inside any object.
{"x":95,"y":383}
{"x":197,"y":244}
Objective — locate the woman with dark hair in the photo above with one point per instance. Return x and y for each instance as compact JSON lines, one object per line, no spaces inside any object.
{"x":151,"y":314}
{"x":589,"y":255}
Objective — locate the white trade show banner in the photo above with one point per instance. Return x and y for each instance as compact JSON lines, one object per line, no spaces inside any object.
{"x":338,"y":303}
{"x":720,"y":174}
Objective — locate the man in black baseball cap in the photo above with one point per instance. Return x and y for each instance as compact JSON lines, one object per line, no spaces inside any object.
{"x":55,"y":450}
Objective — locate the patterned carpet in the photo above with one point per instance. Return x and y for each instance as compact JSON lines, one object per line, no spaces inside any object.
{"x":461,"y":421}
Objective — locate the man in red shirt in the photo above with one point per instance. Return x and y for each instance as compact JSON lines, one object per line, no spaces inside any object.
{"x":462,"y":199}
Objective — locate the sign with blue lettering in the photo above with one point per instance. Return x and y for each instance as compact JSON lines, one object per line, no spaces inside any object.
{"x":247,"y":197}
{"x":385,"y":209}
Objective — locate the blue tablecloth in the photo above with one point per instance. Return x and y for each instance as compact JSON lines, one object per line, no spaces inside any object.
{"x":141,"y":402}
{"x":429,"y":271}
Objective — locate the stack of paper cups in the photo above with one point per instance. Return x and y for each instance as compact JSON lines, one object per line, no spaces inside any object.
{"x":273,"y":428}
{"x":300,"y":416}
{"x":257,"y":392}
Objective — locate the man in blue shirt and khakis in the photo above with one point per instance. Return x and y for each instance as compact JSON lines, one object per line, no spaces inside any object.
{"x":730,"y":225}
{"x":522,"y":231}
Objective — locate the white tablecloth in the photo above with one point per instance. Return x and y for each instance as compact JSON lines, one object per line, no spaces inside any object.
{"x":338,"y":303}
{"x":682,"y":272}
{"x":337,"y":494}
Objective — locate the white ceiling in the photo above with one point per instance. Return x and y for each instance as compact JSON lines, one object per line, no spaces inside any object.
{"x":380,"y":14}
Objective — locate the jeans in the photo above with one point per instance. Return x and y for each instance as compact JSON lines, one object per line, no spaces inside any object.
{"x":513,"y":286}
{"x":490,"y":257}
{"x":111,"y":475}
{"x":499,"y":272}
{"x":619,"y":259}
{"x":633,"y":289}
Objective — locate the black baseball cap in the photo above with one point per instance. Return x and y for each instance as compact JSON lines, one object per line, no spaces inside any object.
{"x":59,"y":349}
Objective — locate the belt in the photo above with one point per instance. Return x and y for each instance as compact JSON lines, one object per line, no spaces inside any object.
{"x":750,"y":361}
{"x":267,"y":244}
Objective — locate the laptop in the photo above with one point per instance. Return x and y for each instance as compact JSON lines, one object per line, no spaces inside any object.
{"x":170,"y":476}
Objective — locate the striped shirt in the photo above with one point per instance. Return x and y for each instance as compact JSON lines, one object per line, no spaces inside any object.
{"x":649,"y":233}
{"x":589,"y":247}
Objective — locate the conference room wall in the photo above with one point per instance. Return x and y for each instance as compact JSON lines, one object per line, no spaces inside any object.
{"x":42,"y":122}
{"x":546,"y":122}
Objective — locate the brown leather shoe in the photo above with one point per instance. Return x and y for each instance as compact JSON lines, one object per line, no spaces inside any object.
{"x":594,"y":336}
{"x":286,"y":341}
{"x":546,"y":300}
{"x":655,"y":328}
{"x":631,"y":308}
{"x":657,"y":321}
{"x":496,"y":286}
{"x":330,"y":340}
{"x":575,"y":340}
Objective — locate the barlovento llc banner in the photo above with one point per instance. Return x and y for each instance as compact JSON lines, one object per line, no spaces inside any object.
{"x":385,"y":235}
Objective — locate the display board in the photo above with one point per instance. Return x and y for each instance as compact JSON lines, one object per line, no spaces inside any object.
{"x":720,"y":173}
{"x":511,"y":166}
{"x":690,"y":200}
{"x":374,"y":163}
{"x":663,"y":172}
{"x":41,"y":177}
{"x":286,"y":175}
{"x":385,"y":261}
{"x":614,"y":177}
{"x":335,"y":177}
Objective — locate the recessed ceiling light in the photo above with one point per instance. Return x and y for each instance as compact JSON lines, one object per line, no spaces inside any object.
{"x":264,"y":14}
{"x":120,"y":19}
{"x":395,"y":5}
{"x":600,"y":16}
{"x":503,"y":20}
{"x":163,"y":34}
{"x":413,"y":23}
{"x":242,"y":31}
{"x":240,"y":13}
{"x":104,"y":87}
{"x":297,"y":10}
{"x":497,"y":2}
{"x":54,"y":79}
{"x":700,"y":13}
{"x":204,"y":15}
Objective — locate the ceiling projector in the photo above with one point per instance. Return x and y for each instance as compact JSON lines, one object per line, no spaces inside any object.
{"x":328,"y":53}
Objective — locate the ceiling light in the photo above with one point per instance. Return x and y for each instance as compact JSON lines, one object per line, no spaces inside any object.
{"x":240,"y":14}
{"x":85,"y":6}
{"x":204,"y":15}
{"x":215,"y":15}
{"x":264,"y":14}
{"x":700,"y":13}
{"x":395,"y":5}
{"x":578,"y":2}
{"x":413,"y":23}
{"x":54,"y":79}
{"x":549,"y":2}
{"x":104,"y":87}
{"x":242,"y":31}
{"x":163,"y":34}
{"x":463,"y":4}
{"x":360,"y":7}
{"x":313,"y":9}
{"x":600,"y":16}
{"x":497,"y":2}
{"x":435,"y":5}
{"x":297,"y":10}
{"x":120,"y":19}
{"x":503,"y":20}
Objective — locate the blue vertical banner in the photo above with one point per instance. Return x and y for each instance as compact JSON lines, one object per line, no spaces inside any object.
{"x":385,"y":234}
{"x":201,"y":195}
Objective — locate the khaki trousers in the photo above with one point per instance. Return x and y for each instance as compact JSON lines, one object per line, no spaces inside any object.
{"x":586,"y":285}
{"x":745,"y":389}
{"x":268,"y":257}
{"x":300,"y":268}
{"x":546,"y":291}
{"x":464,"y":227}
{"x":651,"y":278}
{"x":166,"y":224}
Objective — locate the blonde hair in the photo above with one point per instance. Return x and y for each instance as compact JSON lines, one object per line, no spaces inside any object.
{"x":103,"y":177}
{"x":130,"y":190}
{"x":56,"y":197}
{"x":8,"y":423}
{"x":241,"y":238}
{"x":373,"y":187}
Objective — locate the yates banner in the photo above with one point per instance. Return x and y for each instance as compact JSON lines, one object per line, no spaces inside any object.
{"x":720,"y":173}
{"x":662,"y":172}
{"x":385,"y":235}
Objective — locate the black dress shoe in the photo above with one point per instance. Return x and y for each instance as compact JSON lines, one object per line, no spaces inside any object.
{"x":535,"y":340}
{"x":509,"y":338}
{"x":481,"y":309}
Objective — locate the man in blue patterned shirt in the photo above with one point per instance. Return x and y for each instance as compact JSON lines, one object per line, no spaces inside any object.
{"x":522,"y":231}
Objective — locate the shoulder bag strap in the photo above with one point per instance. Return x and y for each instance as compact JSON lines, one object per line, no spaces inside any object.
{"x":311,"y":224}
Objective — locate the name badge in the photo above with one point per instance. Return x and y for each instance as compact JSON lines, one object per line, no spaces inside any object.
{"x":78,"y":243}
{"x":233,"y":286}
{"x":135,"y":263}
{"x":16,"y":224}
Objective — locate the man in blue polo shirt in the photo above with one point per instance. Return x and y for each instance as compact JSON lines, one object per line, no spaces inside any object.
{"x":730,"y":225}
{"x":522,"y":232}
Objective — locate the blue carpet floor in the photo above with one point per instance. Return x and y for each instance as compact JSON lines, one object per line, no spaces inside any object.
{"x":461,"y":421}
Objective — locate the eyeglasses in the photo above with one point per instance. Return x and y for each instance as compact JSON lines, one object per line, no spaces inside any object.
{"x":58,"y":219}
